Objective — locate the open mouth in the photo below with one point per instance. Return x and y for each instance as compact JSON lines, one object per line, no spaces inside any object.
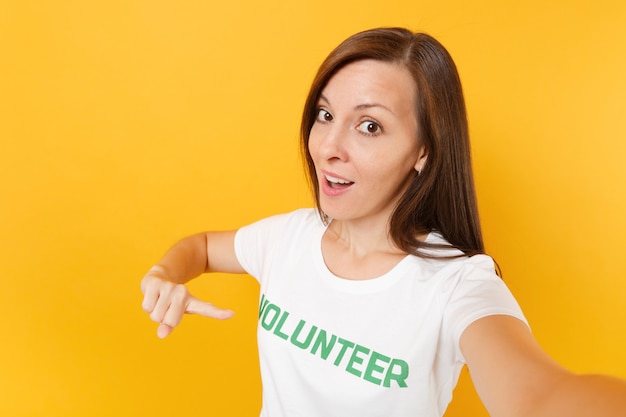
{"x":337,"y":183}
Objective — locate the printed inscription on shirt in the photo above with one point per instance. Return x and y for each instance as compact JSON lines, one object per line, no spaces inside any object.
{"x":358,"y":360}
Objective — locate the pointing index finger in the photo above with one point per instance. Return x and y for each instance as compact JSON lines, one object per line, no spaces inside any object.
{"x":205,"y":309}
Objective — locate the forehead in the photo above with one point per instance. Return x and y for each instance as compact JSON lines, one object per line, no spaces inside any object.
{"x":370,"y":81}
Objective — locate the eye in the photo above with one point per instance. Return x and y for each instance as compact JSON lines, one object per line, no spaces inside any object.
{"x":370,"y":128}
{"x":324,"y":116}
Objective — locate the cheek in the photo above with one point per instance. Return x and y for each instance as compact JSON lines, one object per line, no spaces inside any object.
{"x":314,"y":143}
{"x":395,"y":168}
{"x":312,"y":155}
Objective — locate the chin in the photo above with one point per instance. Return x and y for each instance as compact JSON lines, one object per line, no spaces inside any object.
{"x":339,"y":213}
{"x":354,"y":211}
{"x":333,"y":212}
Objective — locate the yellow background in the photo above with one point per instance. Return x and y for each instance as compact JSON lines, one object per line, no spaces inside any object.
{"x":127,"y":124}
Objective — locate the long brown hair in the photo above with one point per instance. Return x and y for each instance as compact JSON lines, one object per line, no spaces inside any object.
{"x":441,"y":197}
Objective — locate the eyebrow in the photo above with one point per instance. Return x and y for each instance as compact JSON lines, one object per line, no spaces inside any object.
{"x":363,"y":106}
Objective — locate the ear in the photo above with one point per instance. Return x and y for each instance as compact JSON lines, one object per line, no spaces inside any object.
{"x":422,"y":156}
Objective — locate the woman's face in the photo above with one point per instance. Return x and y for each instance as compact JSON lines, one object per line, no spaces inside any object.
{"x":364,"y":142}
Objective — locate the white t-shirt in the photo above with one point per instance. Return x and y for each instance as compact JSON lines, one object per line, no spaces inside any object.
{"x":383,"y":347}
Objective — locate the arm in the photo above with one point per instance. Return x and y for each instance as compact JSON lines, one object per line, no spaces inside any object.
{"x":166,"y":298}
{"x":515,"y":377}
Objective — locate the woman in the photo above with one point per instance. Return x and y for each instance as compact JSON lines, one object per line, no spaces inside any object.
{"x":372,"y":302}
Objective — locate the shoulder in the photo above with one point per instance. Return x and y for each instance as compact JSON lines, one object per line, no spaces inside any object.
{"x":443,"y":260}
{"x":303,"y":216}
{"x":273,"y":237}
{"x":282,"y":225}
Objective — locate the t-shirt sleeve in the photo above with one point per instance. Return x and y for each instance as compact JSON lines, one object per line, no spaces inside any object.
{"x":251,"y":244}
{"x":257,"y":243}
{"x":477,"y":292}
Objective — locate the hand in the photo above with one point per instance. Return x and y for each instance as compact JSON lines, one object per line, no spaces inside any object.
{"x":166,"y":302}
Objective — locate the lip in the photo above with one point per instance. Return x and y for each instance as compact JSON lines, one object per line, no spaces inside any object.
{"x":327,"y":189}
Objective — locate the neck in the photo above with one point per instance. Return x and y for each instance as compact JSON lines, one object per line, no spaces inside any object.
{"x":362,"y":237}
{"x":359,"y":250}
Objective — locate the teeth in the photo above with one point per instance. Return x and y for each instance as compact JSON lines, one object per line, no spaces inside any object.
{"x":337,"y":180}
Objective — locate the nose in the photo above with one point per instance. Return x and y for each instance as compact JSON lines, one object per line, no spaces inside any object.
{"x":328,"y":142}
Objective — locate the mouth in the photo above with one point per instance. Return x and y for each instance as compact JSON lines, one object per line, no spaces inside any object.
{"x":337,"y":183}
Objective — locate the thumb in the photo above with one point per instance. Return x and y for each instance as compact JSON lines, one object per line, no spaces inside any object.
{"x":164,"y":330}
{"x":195,"y":306}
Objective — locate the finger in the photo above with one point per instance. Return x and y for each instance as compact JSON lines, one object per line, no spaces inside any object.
{"x":147,"y":279}
{"x":150,"y":297}
{"x":162,"y":305}
{"x":176,"y":308}
{"x":195,"y":306}
{"x":164,"y":330}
